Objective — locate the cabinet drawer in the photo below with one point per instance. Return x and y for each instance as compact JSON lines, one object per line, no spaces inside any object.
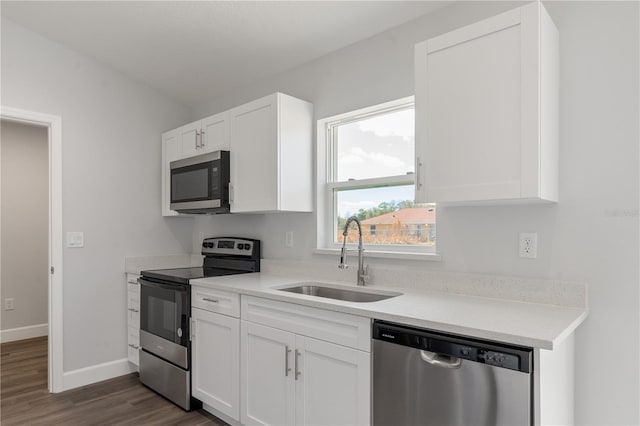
{"x":133,"y":345}
{"x":212,"y":300}
{"x":132,"y":283}
{"x":133,"y":301}
{"x":336,"y":327}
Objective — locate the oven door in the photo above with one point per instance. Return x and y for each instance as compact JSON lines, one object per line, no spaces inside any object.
{"x":198,"y":183}
{"x":164,"y":310}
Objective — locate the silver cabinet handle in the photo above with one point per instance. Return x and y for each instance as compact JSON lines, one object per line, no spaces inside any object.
{"x":207,"y":299}
{"x":418,"y":178}
{"x":286,"y":361}
{"x":134,"y":346}
{"x":438,"y":360}
{"x":202,"y":139}
{"x":133,"y":282}
{"x":296,"y":364}
{"x":133,"y":310}
{"x":197,"y":136}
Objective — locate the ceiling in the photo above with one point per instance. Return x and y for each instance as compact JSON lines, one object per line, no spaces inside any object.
{"x":196,"y":50}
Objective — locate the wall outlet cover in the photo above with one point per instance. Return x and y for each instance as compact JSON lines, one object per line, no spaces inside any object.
{"x":528,"y":245}
{"x":8,"y":304}
{"x":75,"y":239}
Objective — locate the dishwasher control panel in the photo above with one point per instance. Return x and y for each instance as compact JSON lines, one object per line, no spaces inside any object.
{"x":481,"y":351}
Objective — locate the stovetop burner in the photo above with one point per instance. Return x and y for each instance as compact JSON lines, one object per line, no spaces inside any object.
{"x":183,"y":275}
{"x":223,"y":256}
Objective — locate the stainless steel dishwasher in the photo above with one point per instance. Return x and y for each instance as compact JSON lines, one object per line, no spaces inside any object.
{"x":422,"y":377}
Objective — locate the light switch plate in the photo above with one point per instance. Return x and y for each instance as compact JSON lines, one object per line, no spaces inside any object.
{"x":75,"y":239}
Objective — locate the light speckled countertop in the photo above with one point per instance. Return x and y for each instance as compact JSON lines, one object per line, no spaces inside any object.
{"x":521,"y":323}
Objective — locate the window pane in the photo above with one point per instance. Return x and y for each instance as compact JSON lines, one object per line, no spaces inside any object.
{"x":388,"y":216}
{"x":378,"y":146}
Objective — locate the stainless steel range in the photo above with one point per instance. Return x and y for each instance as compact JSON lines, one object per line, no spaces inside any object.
{"x":165,"y":313}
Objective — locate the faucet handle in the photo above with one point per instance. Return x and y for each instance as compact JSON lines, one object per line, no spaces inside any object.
{"x":343,"y":259}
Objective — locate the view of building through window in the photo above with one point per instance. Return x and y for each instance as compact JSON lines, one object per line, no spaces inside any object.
{"x":373,"y":168}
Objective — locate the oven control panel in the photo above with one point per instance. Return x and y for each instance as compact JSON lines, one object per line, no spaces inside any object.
{"x":229,"y":246}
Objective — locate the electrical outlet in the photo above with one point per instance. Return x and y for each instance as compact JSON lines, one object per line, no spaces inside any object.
{"x":288,"y":239}
{"x":75,"y":239}
{"x":528,"y":247}
{"x":8,"y":304}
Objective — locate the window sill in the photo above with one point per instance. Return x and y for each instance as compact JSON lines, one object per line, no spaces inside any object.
{"x":385,"y":254}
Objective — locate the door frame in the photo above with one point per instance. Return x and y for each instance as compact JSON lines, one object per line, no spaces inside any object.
{"x":54,"y":125}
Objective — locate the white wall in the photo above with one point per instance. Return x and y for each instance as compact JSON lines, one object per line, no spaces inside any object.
{"x":111,"y":180}
{"x":591,"y":235}
{"x":24,"y":266}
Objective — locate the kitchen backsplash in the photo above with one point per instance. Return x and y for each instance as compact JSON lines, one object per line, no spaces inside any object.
{"x":550,"y":292}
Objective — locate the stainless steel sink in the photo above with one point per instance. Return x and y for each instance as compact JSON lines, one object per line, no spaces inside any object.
{"x":339,"y":293}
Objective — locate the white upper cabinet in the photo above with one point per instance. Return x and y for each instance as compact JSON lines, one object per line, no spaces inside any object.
{"x":487,"y":111}
{"x":215,"y":133}
{"x":270,"y":143}
{"x":189,"y":139}
{"x":206,"y":135}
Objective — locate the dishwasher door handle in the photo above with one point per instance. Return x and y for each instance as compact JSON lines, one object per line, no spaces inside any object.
{"x":439,"y":360}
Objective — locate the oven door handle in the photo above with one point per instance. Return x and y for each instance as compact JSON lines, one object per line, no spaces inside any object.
{"x":165,"y":286}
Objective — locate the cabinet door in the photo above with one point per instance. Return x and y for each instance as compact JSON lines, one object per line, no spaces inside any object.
{"x":189,"y":139}
{"x":332,"y":384}
{"x":216,"y":361}
{"x":477,"y":111}
{"x":253,"y":145}
{"x":170,"y":152}
{"x":266,"y":371}
{"x":215,"y":133}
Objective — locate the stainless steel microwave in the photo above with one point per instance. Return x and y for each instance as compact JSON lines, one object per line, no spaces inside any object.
{"x":200,"y":184}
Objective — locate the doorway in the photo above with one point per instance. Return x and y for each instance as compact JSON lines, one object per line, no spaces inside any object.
{"x":50,"y":128}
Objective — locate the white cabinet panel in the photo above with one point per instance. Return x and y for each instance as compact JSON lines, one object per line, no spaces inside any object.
{"x":215,"y":133}
{"x":267,"y":381}
{"x":254,"y":156}
{"x":481,"y":132}
{"x":189,"y":139}
{"x":216,"y":361}
{"x":333,"y":384}
{"x":270,"y":144}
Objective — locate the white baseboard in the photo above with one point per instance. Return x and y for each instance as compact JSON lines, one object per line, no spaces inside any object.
{"x":96,"y":373}
{"x":21,"y":333}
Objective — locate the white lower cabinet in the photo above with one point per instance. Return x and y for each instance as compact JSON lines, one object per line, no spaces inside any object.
{"x":288,"y":378}
{"x":215,"y":350}
{"x":333,"y":385}
{"x":133,"y":319}
{"x":268,"y":387}
{"x":215,"y":360}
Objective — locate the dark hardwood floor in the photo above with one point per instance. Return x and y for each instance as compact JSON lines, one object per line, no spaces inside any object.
{"x":25,"y":400}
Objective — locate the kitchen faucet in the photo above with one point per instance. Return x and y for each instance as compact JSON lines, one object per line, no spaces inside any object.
{"x":362,"y":269}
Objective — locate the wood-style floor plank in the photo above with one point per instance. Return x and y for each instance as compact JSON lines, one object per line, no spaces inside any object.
{"x":25,"y":400}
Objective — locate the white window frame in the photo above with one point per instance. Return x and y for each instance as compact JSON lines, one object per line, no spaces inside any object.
{"x":326,"y":203}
